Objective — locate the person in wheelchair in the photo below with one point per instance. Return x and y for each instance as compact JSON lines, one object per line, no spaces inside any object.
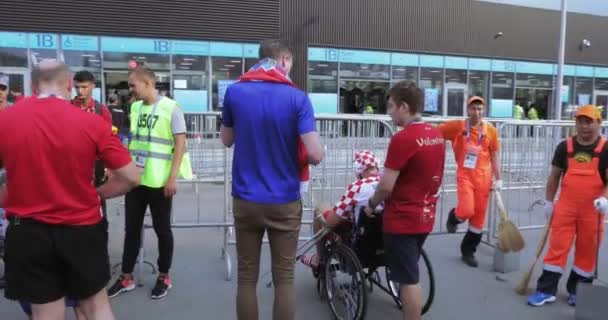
{"x":340,"y":217}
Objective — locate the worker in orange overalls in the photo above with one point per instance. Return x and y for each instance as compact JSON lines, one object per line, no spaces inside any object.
{"x":581,"y":163}
{"x":475,"y":144}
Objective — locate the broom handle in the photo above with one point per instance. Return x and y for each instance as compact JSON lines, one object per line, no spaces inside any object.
{"x":541,"y":244}
{"x":599,"y":240}
{"x":501,"y":206}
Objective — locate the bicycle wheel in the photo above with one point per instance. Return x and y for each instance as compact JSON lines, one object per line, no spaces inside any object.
{"x":427,"y":283}
{"x":345,"y":284}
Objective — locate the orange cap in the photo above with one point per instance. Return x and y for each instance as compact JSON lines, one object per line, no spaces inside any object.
{"x":475,"y":99}
{"x":589,"y":111}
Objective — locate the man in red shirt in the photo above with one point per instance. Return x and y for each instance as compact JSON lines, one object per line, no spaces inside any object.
{"x":56,"y":239}
{"x":410,"y":184}
{"x":84,"y":83}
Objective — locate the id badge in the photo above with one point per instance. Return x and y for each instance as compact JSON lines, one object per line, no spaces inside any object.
{"x":140,"y":162}
{"x":470,"y":158}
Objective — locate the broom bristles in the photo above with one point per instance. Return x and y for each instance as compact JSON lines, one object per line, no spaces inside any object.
{"x":522,"y":288}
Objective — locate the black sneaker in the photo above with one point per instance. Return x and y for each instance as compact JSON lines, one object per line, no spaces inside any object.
{"x":163,"y":284}
{"x":121,"y":285}
{"x":470,"y":261}
{"x":2,"y":283}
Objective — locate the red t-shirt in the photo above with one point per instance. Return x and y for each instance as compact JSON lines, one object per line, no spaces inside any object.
{"x":105,"y":112}
{"x":418,"y":153}
{"x":49,"y":148}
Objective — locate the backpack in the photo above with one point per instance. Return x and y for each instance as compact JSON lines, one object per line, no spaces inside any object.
{"x":99,"y":168}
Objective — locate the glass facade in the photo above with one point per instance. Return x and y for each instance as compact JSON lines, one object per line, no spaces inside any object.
{"x":195,"y":73}
{"x":348,"y":81}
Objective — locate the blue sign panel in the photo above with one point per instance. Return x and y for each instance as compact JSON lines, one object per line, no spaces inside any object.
{"x":323,"y":54}
{"x":431,"y":100}
{"x":222,"y":87}
{"x":601,"y":72}
{"x":135,"y":45}
{"x":251,"y":51}
{"x":226,"y":49}
{"x":405,"y":59}
{"x":192,"y":48}
{"x":534,"y":67}
{"x":324,"y":102}
{"x":191,"y":101}
{"x":43,"y":41}
{"x":456,"y":63}
{"x":503,"y":65}
{"x":13,"y":40}
{"x":501,"y":108}
{"x":368,"y":57}
{"x":79,"y":43}
{"x":431,"y":61}
{"x":569,"y":70}
{"x":584,"y":71}
{"x":480,"y":64}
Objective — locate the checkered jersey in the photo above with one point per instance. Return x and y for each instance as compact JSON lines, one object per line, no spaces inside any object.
{"x":356,"y":195}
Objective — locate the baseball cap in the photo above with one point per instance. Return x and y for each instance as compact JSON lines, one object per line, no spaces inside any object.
{"x":3,"y":79}
{"x":589,"y":111}
{"x":476,"y":99}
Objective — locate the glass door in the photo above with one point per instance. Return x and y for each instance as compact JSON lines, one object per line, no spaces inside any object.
{"x":454,"y":98}
{"x":19,"y":83}
{"x":600,"y":99}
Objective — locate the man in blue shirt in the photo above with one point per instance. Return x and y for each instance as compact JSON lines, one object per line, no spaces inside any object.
{"x":265,"y":116}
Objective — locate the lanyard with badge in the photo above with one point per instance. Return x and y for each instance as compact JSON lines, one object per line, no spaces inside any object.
{"x":472,"y":151}
{"x":141,"y":156}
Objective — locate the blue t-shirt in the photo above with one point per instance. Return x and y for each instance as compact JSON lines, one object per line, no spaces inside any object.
{"x":268,"y":119}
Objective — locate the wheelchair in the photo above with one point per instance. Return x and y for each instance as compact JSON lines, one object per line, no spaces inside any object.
{"x":350,"y":267}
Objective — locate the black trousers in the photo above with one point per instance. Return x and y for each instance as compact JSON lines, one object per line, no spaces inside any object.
{"x":136,"y":203}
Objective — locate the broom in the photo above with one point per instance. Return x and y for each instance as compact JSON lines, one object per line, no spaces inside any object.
{"x":509,"y":236}
{"x":522,"y":288}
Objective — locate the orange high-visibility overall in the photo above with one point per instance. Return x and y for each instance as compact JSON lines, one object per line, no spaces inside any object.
{"x":575,"y":215}
{"x":473,"y":181}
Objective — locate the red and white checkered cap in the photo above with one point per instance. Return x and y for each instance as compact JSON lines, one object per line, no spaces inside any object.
{"x":364,"y":159}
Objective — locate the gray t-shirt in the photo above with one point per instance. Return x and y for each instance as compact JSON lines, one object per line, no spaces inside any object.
{"x":178,"y":121}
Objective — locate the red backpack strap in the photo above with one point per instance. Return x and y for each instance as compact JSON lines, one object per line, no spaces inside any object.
{"x":569,"y":147}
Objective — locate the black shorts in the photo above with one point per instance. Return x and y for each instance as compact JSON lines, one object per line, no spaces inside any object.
{"x":47,"y":262}
{"x":402,"y":256}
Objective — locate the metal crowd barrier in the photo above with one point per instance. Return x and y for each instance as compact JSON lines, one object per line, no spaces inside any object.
{"x":526,"y":151}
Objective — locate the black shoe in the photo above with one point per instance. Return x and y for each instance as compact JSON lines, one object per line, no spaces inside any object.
{"x":163,"y":284}
{"x":452,"y":223}
{"x":121,"y":285}
{"x":2,"y":283}
{"x":470,"y":261}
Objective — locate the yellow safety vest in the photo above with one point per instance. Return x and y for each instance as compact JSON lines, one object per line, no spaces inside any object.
{"x":532,"y":114}
{"x":518,"y":112}
{"x":155,"y":146}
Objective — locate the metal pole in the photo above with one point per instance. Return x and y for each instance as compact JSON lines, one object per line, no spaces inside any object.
{"x":560,"y":66}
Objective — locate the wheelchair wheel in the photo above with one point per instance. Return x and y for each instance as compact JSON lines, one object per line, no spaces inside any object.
{"x":345,"y":284}
{"x":427,"y":283}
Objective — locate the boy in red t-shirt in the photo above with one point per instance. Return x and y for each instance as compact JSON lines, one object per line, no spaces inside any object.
{"x":410,"y":184}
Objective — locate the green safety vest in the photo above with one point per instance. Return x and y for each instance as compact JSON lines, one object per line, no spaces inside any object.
{"x":532,"y":114}
{"x":155,"y":145}
{"x":518,"y":112}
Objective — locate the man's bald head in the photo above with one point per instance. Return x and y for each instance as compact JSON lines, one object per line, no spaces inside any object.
{"x":53,"y":75}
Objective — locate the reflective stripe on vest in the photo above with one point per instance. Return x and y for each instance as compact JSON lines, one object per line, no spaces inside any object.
{"x":155,"y":142}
